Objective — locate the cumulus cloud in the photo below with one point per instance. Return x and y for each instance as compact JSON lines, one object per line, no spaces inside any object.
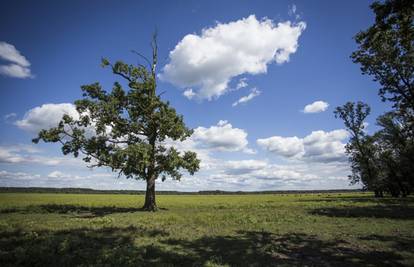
{"x":68,"y":176}
{"x":97,"y":180}
{"x":222,"y":137}
{"x":46,"y":116}
{"x":49,"y":115}
{"x":246,"y":175}
{"x":18,"y":66}
{"x":254,"y":92}
{"x":237,"y":167}
{"x":316,"y":107}
{"x":56,"y":174}
{"x":24,"y":154}
{"x":284,"y":146}
{"x":210,"y":60}
{"x":13,"y":154}
{"x":284,"y":173}
{"x":318,"y":146}
{"x":260,"y":173}
{"x":325,"y":146}
{"x":17,"y":175}
{"x":206,"y":141}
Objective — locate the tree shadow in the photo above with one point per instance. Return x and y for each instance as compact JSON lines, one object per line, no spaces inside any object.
{"x":123,"y":247}
{"x":361,"y":199}
{"x":75,"y":247}
{"x":75,"y":210}
{"x":399,"y":212}
{"x":266,"y":249}
{"x":398,"y":243}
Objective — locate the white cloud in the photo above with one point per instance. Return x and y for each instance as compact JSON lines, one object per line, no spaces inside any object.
{"x":97,"y":180}
{"x":254,"y":92}
{"x":246,"y":175}
{"x":284,"y":146}
{"x":319,"y":163}
{"x":292,"y":11}
{"x":10,"y":53}
{"x":27,"y":154}
{"x":68,"y":176}
{"x":9,"y":116}
{"x":263,"y":175}
{"x":17,"y":175}
{"x":284,"y":173}
{"x":14,"y":70}
{"x":189,"y":93}
{"x":222,"y":137}
{"x":242,"y":83}
{"x":237,"y":167}
{"x":18,"y":66}
{"x":210,"y":60}
{"x":318,"y":146}
{"x":325,"y":146}
{"x":46,"y":116}
{"x":56,"y":174}
{"x":316,"y":107}
{"x":13,"y":154}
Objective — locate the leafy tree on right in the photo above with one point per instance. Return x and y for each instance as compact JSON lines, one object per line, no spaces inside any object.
{"x":384,"y":162}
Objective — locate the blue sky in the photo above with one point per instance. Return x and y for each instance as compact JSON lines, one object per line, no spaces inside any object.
{"x":283,"y":56}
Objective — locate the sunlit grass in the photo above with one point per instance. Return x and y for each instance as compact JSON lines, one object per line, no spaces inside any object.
{"x":235,"y":230}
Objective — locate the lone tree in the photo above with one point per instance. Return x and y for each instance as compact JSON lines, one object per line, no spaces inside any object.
{"x":127,"y":130}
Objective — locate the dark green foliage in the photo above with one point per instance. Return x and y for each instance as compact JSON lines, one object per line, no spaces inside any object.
{"x":360,"y":147}
{"x":386,"y":51}
{"x":127,"y":130}
{"x":384,"y":161}
{"x":396,"y":153}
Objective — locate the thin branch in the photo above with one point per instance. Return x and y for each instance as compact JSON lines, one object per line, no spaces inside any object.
{"x":163,"y":92}
{"x":121,"y":74}
{"x":142,"y":56}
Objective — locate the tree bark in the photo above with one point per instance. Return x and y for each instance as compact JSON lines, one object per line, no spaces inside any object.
{"x":150,"y":204}
{"x":378,"y":193}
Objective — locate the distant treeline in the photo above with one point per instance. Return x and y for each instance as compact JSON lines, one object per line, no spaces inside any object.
{"x":142,"y":192}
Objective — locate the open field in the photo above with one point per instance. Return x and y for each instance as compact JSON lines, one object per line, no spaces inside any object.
{"x":347,"y":229}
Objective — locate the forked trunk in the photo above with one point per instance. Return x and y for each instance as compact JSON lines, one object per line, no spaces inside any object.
{"x":150,"y":204}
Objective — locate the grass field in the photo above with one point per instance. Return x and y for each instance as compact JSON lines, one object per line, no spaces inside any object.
{"x":351,"y":229}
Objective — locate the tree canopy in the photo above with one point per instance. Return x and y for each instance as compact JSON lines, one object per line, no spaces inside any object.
{"x":383,"y":161}
{"x":386,"y":52}
{"x":129,"y":131}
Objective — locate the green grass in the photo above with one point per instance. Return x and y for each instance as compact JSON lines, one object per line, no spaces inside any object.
{"x":231,"y":230}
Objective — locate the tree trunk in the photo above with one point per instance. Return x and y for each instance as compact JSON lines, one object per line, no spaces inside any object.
{"x":150,"y":204}
{"x":378,"y":193}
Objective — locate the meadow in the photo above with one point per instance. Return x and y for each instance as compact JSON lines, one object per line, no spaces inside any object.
{"x":329,"y":229}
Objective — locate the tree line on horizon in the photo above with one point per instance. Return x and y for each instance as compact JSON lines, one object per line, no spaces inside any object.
{"x":383,"y":162}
